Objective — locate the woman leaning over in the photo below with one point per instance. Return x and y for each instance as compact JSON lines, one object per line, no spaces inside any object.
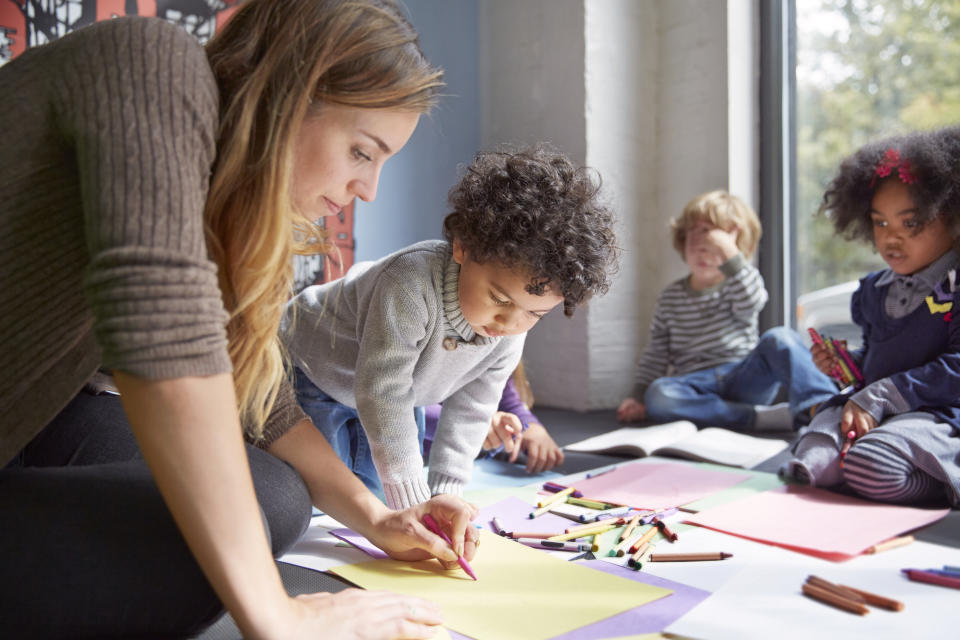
{"x":153,"y":195}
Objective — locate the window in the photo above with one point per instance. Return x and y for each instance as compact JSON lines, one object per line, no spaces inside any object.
{"x":863,"y":69}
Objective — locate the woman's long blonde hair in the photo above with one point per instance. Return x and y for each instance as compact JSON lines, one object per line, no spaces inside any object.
{"x":275,"y":61}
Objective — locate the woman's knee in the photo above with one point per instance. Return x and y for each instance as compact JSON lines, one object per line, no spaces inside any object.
{"x":283,"y":497}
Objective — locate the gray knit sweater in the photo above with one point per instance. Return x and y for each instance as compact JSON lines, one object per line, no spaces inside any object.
{"x":694,"y":330}
{"x":109,"y":139}
{"x":389,"y":336}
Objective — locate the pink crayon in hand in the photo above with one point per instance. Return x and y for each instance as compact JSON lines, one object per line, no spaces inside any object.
{"x":431,"y":524}
{"x":851,"y":436}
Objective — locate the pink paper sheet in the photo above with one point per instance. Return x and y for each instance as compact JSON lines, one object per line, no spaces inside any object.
{"x":655,"y":486}
{"x":815,"y":521}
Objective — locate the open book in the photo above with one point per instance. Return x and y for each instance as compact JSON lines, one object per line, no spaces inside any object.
{"x":682,"y":439}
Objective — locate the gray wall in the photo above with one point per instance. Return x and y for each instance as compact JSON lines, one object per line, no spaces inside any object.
{"x":412,"y":196}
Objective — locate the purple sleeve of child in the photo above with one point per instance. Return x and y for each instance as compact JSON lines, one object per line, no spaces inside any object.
{"x":510,"y":402}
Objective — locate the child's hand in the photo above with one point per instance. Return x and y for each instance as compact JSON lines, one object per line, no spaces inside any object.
{"x":505,"y":429}
{"x":856,"y":419}
{"x":631,"y":410}
{"x":824,"y":360}
{"x":723,"y":243}
{"x":403,"y":535}
{"x":542,"y":452}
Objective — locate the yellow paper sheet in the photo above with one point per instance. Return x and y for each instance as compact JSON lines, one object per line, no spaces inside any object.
{"x":521,"y":593}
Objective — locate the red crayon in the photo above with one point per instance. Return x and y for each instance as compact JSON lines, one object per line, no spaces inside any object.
{"x":664,"y":531}
{"x":919,"y":575}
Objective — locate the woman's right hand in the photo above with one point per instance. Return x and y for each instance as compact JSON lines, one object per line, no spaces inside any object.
{"x":355,"y":614}
{"x":631,"y":410}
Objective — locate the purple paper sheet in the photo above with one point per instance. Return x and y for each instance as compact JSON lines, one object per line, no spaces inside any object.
{"x":513,"y":514}
{"x":650,"y":618}
{"x":357,"y":540}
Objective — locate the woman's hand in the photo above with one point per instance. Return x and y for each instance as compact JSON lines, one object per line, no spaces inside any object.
{"x":360,"y":615}
{"x":403,"y":535}
{"x":505,"y":429}
{"x":542,"y":452}
{"x":631,"y":410}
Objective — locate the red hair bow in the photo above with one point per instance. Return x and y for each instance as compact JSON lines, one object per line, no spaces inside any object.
{"x":890,"y":161}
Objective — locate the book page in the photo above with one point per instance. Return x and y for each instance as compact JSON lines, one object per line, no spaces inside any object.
{"x":635,"y":441}
{"x":724,"y":447}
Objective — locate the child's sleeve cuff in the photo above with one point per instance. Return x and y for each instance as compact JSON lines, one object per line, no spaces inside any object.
{"x":406,"y":494}
{"x":442,"y":483}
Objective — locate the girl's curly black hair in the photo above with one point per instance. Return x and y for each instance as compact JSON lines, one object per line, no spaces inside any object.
{"x":932,"y":161}
{"x":532,"y":209}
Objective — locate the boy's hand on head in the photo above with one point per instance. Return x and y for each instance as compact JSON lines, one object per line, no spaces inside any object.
{"x":855,"y":418}
{"x":505,"y":429}
{"x":723,"y":242}
{"x":542,"y":452}
{"x":631,"y":410}
{"x":403,"y":535}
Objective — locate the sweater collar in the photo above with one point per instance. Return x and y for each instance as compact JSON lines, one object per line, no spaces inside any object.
{"x":930,"y":276}
{"x":456,"y":324}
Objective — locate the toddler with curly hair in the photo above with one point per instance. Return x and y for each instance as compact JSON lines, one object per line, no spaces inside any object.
{"x":445,"y":321}
{"x":900,"y":429}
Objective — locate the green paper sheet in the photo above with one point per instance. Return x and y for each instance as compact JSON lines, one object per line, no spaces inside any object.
{"x":521,"y":593}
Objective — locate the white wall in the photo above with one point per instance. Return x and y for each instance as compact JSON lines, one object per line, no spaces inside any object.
{"x":642,"y":91}
{"x":623,"y":86}
{"x":532,"y":89}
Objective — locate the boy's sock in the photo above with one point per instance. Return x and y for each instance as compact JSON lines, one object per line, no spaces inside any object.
{"x":816,"y":462}
{"x":775,"y":417}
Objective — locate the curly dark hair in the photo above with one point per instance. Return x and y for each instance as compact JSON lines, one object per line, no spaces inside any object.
{"x":932,"y":159}
{"x":533,"y":209}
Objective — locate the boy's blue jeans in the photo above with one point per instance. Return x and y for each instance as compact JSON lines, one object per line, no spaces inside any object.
{"x":340,"y":425}
{"x":725,"y":396}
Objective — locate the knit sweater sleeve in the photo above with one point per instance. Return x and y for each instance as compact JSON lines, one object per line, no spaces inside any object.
{"x":393,"y":328}
{"x":465,"y":421}
{"x":655,"y":358}
{"x":139,"y":105}
{"x":744,"y":288}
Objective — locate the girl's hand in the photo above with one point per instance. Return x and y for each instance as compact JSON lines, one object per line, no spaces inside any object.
{"x":824,"y":360}
{"x":631,"y":410}
{"x":360,"y":615}
{"x":403,"y":535}
{"x":542,"y":452}
{"x":506,"y":429}
{"x":856,"y":419}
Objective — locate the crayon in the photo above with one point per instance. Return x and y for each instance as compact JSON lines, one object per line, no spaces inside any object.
{"x":892,"y":543}
{"x":690,"y":557}
{"x":434,"y":527}
{"x":554,"y":545}
{"x":920,"y":575}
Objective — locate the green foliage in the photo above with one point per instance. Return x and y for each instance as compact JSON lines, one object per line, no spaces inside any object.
{"x":865,"y":69}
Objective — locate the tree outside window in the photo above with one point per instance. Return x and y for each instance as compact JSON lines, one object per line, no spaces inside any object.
{"x":865,"y":69}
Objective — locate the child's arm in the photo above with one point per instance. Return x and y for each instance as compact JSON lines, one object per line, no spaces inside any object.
{"x":394,"y":326}
{"x":743,"y":288}
{"x":465,"y":422}
{"x":655,"y":358}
